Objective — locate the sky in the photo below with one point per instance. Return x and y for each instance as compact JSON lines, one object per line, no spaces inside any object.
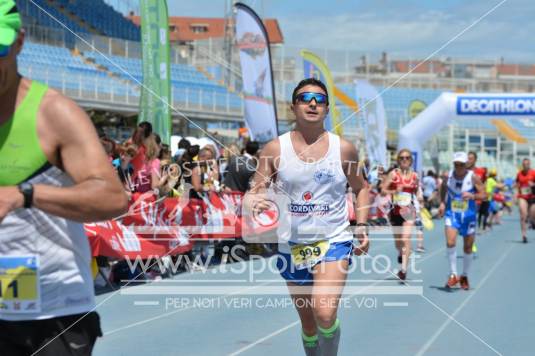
{"x":405,"y":28}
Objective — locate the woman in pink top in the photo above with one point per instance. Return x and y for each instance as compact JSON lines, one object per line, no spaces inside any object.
{"x":148,"y":176}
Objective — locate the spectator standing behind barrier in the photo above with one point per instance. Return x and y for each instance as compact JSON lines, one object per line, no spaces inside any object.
{"x":109,"y":147}
{"x":124,"y":167}
{"x":165,"y":153}
{"x":168,"y":179}
{"x":187,"y":162}
{"x":242,"y":168}
{"x":230,"y":151}
{"x":183,"y":146}
{"x":205,"y":174}
{"x":139,"y":136}
{"x":148,"y":175}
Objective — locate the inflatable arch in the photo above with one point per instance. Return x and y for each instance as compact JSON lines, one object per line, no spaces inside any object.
{"x":449,"y":106}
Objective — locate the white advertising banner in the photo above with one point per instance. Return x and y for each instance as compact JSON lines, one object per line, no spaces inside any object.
{"x":258,"y":89}
{"x":374,"y":122}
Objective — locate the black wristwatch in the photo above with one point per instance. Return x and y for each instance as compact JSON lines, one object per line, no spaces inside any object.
{"x":27,"y":191}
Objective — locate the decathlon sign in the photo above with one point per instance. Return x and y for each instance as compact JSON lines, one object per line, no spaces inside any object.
{"x":495,"y":106}
{"x":450,"y":106}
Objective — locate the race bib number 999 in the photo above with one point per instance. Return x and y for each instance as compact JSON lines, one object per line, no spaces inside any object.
{"x":304,"y":256}
{"x":19,"y":284}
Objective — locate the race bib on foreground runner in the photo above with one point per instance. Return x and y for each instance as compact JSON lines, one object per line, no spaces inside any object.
{"x":304,"y":256}
{"x":19,"y":284}
{"x":525,"y":190}
{"x":459,"y":206}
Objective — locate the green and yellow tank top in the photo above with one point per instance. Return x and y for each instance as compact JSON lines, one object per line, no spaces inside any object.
{"x":21,"y":156}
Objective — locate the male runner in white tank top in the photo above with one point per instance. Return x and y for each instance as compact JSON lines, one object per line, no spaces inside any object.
{"x":312,"y":167}
{"x":54,"y":175}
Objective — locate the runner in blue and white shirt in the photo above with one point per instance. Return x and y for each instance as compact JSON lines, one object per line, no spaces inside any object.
{"x":458,"y":205}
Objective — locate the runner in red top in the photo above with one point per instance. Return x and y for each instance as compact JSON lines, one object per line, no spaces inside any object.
{"x":525,"y":180}
{"x":402,"y":184}
{"x":482,"y":204}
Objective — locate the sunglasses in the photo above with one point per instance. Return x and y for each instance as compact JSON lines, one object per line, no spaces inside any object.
{"x":405,"y":158}
{"x":306,"y":98}
{"x":4,"y":51}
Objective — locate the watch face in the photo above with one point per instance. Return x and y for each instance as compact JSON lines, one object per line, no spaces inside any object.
{"x":27,"y":190}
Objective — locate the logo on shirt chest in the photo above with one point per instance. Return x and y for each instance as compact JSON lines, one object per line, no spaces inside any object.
{"x":324,"y":176}
{"x":307,"y":196}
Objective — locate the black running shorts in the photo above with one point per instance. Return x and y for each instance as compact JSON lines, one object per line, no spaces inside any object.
{"x":19,"y":338}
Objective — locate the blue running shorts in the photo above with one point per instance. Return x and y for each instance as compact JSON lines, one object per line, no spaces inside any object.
{"x":337,"y":251}
{"x":466,"y":226}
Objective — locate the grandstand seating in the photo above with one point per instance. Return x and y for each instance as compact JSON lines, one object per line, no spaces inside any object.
{"x":102,"y":17}
{"x":95,"y":13}
{"x":186,"y":81}
{"x":215,"y":71}
{"x":47,"y":18}
{"x":58,"y":68}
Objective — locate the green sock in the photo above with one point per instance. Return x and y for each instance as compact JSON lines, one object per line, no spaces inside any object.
{"x":329,"y":339}
{"x":311,"y":345}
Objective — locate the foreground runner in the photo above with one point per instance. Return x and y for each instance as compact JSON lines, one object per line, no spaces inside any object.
{"x":54,"y":174}
{"x":458,"y":196}
{"x":525,"y":180}
{"x":402,"y":184}
{"x":313,"y":167}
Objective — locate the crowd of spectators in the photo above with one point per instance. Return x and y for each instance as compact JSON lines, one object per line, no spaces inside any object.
{"x":144,"y":164}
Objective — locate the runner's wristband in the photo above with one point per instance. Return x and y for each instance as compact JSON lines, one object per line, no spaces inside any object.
{"x":27,"y":191}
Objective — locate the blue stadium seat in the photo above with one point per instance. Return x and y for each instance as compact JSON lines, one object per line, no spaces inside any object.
{"x":40,"y":62}
{"x":104,"y":18}
{"x":185,"y":80}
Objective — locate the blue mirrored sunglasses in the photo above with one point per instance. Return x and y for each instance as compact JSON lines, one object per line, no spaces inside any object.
{"x":307,"y":98}
{"x":4,"y":51}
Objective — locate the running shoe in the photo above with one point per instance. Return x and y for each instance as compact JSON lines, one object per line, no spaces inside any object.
{"x":420,"y":249}
{"x":463,"y":281}
{"x":452,"y":281}
{"x":402,"y":275}
{"x":524,"y":239}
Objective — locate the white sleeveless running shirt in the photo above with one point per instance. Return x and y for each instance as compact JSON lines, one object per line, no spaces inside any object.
{"x":45,"y":260}
{"x":316,"y":207}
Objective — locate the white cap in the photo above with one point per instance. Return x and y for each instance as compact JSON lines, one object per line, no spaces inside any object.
{"x":460,"y":157}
